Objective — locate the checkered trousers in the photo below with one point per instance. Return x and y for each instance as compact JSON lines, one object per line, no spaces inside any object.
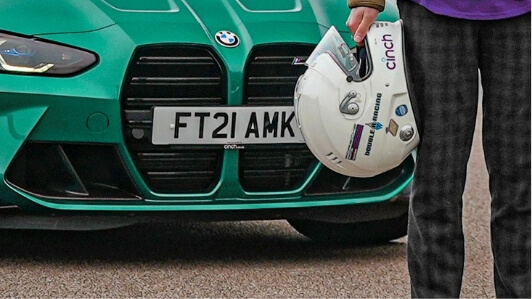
{"x":443,"y":58}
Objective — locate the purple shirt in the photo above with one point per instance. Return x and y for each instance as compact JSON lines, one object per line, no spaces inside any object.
{"x":477,"y":9}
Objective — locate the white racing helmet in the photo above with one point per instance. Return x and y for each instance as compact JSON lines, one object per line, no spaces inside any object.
{"x":355,"y":112}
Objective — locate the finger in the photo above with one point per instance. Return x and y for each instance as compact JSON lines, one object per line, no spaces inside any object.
{"x":355,"y":17}
{"x":363,"y":28}
{"x":369,"y":16}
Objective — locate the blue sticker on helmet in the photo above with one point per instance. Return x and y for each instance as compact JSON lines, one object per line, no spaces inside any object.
{"x":401,"y":110}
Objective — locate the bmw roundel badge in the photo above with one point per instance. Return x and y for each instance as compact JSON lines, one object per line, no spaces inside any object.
{"x":227,"y":39}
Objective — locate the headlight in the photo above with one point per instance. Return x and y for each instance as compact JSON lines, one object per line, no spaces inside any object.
{"x":37,"y":57}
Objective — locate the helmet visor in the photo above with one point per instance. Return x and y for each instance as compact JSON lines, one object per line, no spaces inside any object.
{"x":333,"y":44}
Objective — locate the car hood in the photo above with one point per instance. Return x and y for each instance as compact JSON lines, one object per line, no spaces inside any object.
{"x":177,"y":16}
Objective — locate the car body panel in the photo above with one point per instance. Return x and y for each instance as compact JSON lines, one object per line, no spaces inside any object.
{"x":86,"y":108}
{"x":49,"y":17}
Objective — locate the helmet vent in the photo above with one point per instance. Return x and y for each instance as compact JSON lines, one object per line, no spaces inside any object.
{"x":333,"y":158}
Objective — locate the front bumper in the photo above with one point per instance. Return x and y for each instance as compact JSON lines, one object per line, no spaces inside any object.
{"x":11,"y":217}
{"x":68,"y":143}
{"x":95,"y":177}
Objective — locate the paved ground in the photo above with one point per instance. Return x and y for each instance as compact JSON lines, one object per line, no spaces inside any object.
{"x":231,"y":260}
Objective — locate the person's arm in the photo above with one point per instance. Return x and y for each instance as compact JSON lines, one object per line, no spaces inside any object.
{"x":363,"y":14}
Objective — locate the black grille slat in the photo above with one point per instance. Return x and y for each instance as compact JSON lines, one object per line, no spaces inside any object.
{"x":198,"y":60}
{"x":146,"y":90}
{"x":176,"y":161}
{"x":172,"y":76}
{"x":270,"y":100}
{"x":175,"y":81}
{"x":280,"y":173}
{"x":273,"y":79}
{"x":147,"y":103}
{"x":176,"y":175}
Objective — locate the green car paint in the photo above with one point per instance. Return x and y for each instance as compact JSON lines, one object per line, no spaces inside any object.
{"x":85,"y":108}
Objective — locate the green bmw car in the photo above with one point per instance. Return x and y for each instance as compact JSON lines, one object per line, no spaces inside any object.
{"x":118,"y":112}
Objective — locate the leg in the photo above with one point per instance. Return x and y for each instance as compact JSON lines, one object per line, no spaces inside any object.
{"x":443,"y":80}
{"x":505,"y":73}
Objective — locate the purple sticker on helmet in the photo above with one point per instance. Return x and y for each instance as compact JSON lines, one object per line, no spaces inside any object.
{"x":354,"y":143}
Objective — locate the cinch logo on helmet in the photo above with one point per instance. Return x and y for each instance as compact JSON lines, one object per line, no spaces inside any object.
{"x":227,"y":39}
{"x":389,"y":58}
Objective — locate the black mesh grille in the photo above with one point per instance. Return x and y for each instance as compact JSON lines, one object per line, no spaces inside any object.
{"x":172,"y":76}
{"x":274,"y":168}
{"x":270,"y":81}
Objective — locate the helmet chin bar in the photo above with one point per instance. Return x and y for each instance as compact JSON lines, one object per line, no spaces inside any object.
{"x":355,"y":115}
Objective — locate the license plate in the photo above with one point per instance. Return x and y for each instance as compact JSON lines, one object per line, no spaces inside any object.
{"x":225,"y":125}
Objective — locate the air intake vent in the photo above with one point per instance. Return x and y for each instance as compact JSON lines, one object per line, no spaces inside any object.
{"x":172,"y":76}
{"x":328,"y":182}
{"x":270,"y":81}
{"x":71,"y":171}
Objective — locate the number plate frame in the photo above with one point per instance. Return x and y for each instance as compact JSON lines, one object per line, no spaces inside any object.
{"x":225,"y":125}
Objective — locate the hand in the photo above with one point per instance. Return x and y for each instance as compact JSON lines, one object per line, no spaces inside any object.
{"x":359,"y":21}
